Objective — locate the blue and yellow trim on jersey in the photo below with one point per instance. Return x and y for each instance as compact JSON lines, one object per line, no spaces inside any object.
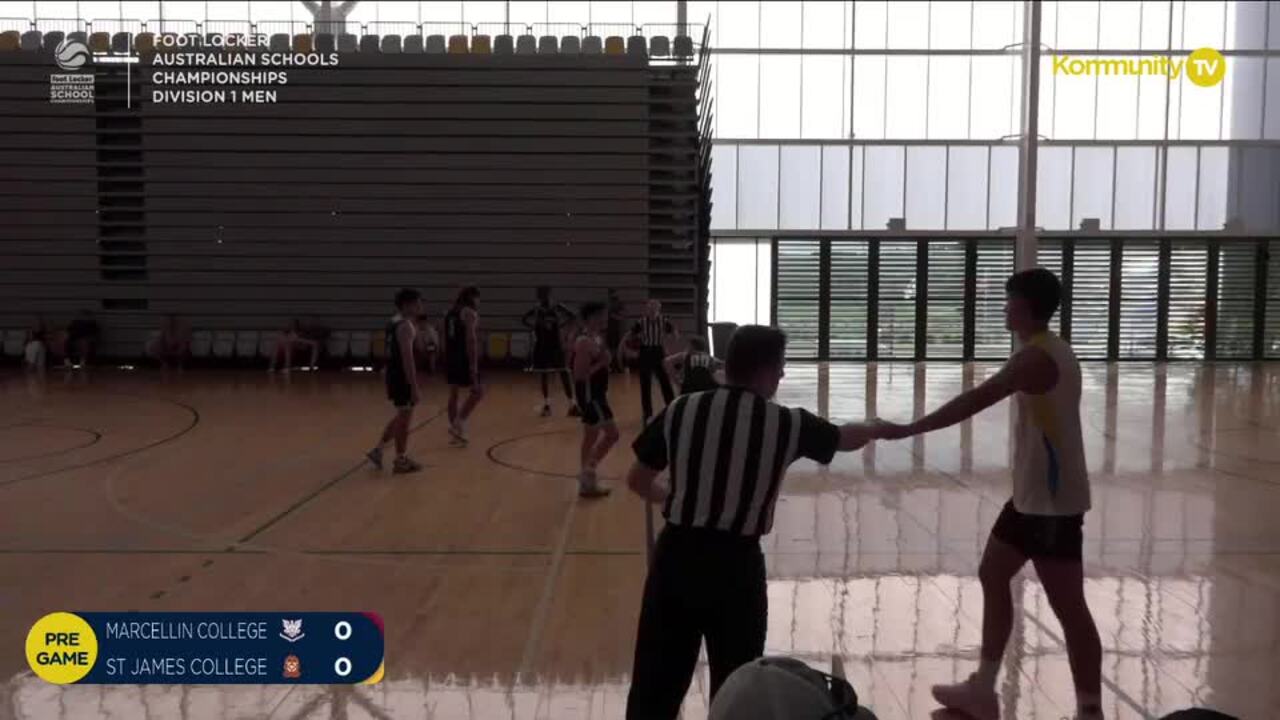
{"x":1047,"y":422}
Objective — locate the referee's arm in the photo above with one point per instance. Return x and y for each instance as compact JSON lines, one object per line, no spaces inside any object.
{"x":651,"y":460}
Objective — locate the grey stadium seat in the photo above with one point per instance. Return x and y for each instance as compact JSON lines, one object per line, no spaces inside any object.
{"x":637,"y":46}
{"x":280,"y":43}
{"x":51,"y":39}
{"x":504,"y":45}
{"x":390,"y":44}
{"x":325,"y":42}
{"x":30,"y":40}
{"x":526,"y":45}
{"x":548,"y":45}
{"x":570,"y":45}
{"x":368,"y":43}
{"x":435,"y":44}
{"x":78,"y":36}
{"x":592,"y":45}
{"x":120,"y":42}
{"x":683,"y":46}
{"x":659,"y":46}
{"x":413,"y":43}
{"x":346,"y":43}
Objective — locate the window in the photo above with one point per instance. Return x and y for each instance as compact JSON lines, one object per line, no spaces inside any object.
{"x":1188,"y":265}
{"x":1138,"y":280}
{"x":995,"y":265}
{"x":897,"y":299}
{"x":797,"y":295}
{"x":1237,"y":261}
{"x":849,"y":288}
{"x":945,"y":339}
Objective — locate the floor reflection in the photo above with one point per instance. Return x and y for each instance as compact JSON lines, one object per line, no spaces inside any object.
{"x":873,"y":559}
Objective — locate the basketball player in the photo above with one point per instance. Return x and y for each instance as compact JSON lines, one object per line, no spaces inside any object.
{"x":1043,"y":521}
{"x":652,"y":329}
{"x":591,"y":359}
{"x":546,"y":320}
{"x":462,"y":360}
{"x":402,"y":381}
{"x":697,"y":368}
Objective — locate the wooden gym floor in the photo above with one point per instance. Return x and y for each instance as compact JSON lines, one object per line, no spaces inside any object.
{"x":505,"y":597}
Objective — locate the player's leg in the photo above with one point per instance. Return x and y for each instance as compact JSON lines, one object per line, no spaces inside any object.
{"x":646,"y":383}
{"x":453,"y":406}
{"x":1063,"y":581}
{"x":404,"y":464}
{"x":473,"y":399}
{"x":546,"y":393}
{"x":1001,"y":560}
{"x":586,"y":453}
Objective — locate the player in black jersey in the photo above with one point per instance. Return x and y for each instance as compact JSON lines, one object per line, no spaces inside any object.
{"x":591,"y":384}
{"x":462,"y":360}
{"x":547,"y":319}
{"x":699,"y":369}
{"x":402,"y":381}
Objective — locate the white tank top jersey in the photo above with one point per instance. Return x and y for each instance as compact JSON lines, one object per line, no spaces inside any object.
{"x":1050,"y":476}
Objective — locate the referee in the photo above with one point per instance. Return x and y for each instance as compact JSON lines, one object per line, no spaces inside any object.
{"x":652,"y":329}
{"x":726,"y":451}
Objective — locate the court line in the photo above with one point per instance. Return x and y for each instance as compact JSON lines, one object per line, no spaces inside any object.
{"x":97,"y":436}
{"x":542,"y":610}
{"x":323,"y":488}
{"x":490,"y":453}
{"x":195,"y":420}
{"x":263,"y":550}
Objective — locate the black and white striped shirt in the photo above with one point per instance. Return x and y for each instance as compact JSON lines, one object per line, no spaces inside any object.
{"x":652,"y":330}
{"x":727,"y":451}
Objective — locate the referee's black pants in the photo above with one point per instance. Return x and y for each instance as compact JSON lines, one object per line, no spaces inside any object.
{"x":650,"y":364}
{"x":703,"y":584}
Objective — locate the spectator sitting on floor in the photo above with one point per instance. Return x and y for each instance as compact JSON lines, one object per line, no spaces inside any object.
{"x":35,"y":351}
{"x":294,"y":337}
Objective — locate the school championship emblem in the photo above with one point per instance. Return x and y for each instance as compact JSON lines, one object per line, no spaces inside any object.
{"x":71,"y":87}
{"x":292,"y":667}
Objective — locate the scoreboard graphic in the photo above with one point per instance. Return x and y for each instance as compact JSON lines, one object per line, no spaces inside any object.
{"x":207,"y":648}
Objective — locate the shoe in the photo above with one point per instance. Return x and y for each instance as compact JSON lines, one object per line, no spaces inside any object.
{"x":969,"y":698}
{"x":405,"y":464}
{"x":574,"y":411}
{"x":458,"y":437}
{"x":594,"y":491}
{"x":546,"y":411}
{"x":375,"y":457}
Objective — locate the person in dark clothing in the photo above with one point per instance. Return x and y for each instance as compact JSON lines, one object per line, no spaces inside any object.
{"x":650,"y":333}
{"x":462,"y":360}
{"x":547,"y":320}
{"x":591,"y":360}
{"x":402,"y":381}
{"x":695,"y":367}
{"x":82,"y":339}
{"x":725,"y":452}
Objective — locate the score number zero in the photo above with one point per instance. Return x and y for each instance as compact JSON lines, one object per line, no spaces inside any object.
{"x":342,"y":631}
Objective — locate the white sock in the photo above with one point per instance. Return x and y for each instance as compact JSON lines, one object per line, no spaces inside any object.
{"x":985,"y":675}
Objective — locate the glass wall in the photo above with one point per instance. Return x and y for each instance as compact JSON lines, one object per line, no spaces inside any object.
{"x":840,"y":117}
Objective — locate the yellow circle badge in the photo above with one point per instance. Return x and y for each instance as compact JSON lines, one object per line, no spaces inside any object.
{"x":1206,"y":67}
{"x":61,"y":648}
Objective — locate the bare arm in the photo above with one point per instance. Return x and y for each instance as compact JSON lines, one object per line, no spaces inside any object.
{"x":405,"y":339}
{"x":473,"y":337}
{"x":855,"y":435}
{"x":1031,"y":370}
{"x":643,"y":481}
{"x":582,"y":360}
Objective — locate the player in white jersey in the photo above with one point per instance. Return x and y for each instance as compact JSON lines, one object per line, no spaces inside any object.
{"x":1044,"y":520}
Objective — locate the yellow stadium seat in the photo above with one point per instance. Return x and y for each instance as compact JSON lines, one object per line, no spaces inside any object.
{"x":378,"y":345}
{"x":302,"y":43}
{"x":100,"y":42}
{"x":10,"y":41}
{"x":614,"y":45}
{"x":144,"y":42}
{"x":480,"y":44}
{"x":457,"y":44}
{"x":499,"y":343}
